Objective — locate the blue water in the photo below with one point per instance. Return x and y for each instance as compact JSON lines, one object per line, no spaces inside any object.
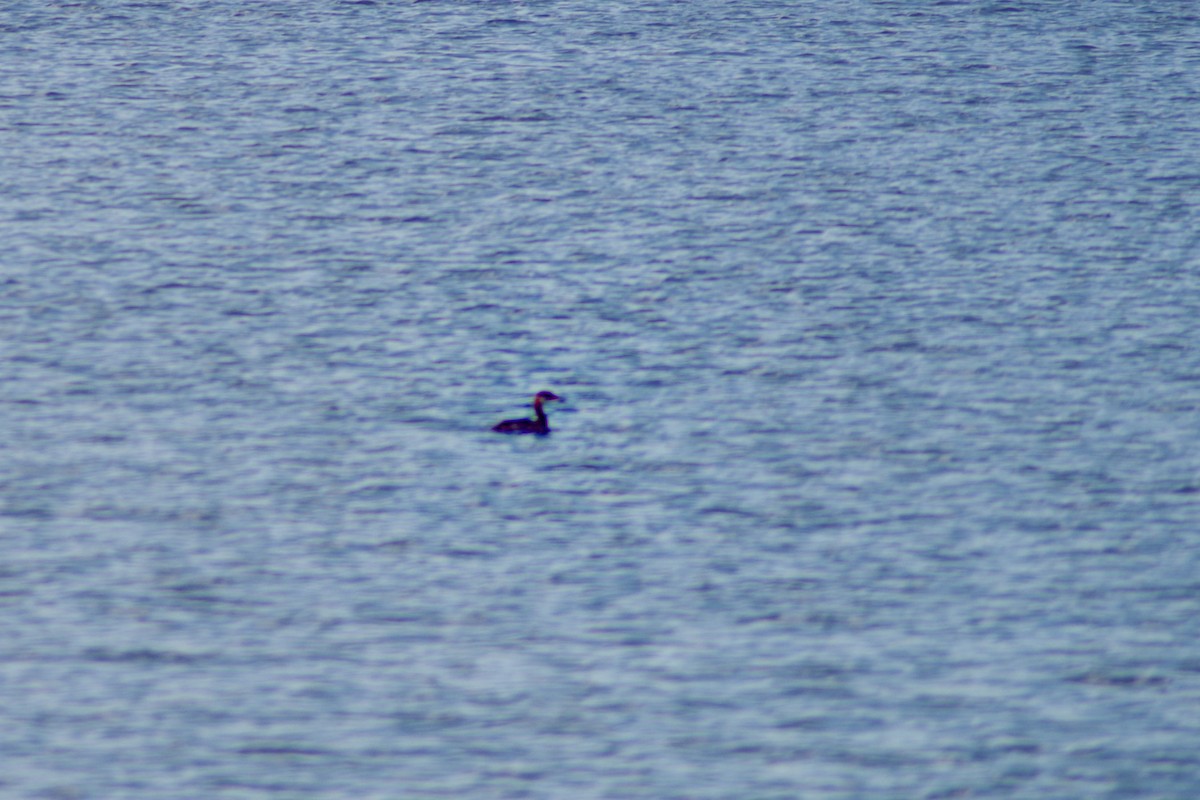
{"x":879,"y":325}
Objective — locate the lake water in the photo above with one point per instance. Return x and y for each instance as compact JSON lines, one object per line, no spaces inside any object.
{"x":879,"y":326}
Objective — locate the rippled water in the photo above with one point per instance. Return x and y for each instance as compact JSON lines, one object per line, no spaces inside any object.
{"x":878,"y":322}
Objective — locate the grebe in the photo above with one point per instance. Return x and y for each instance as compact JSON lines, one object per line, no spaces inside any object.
{"x":539,"y":425}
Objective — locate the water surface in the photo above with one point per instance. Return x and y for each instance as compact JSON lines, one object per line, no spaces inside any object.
{"x":879,"y":475}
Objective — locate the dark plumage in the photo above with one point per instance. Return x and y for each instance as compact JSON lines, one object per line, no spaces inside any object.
{"x":538,"y":425}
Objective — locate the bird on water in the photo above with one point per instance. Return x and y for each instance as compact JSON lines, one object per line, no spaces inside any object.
{"x":538,"y":425}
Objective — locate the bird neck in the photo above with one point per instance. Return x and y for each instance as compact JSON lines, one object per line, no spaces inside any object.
{"x":538,"y":412}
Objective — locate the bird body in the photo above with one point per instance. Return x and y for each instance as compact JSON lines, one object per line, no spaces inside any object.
{"x":537,"y":425}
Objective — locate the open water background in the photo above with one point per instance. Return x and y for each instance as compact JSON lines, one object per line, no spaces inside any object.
{"x":879,"y":323}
